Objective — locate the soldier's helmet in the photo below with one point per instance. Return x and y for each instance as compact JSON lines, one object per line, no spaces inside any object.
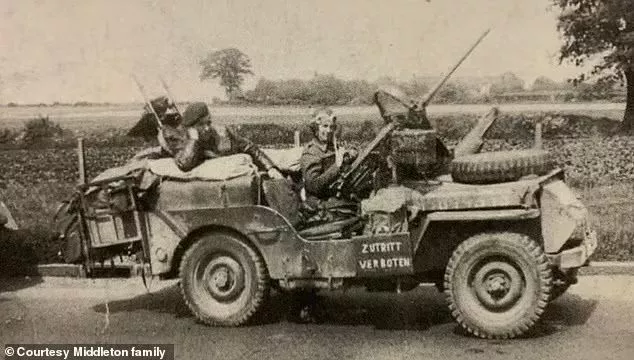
{"x":324,"y":115}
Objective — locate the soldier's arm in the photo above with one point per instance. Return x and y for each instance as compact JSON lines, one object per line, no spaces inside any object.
{"x":244,"y":145}
{"x":316,"y":181}
{"x":187,"y":152}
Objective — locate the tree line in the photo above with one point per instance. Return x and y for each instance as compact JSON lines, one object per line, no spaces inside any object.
{"x":328,"y":89}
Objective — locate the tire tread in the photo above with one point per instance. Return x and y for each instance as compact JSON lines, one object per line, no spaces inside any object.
{"x":545,"y":278}
{"x":261,"y":295}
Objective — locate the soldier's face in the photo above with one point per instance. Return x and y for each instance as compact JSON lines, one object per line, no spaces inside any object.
{"x":204,"y":126}
{"x":326,"y":126}
{"x":325,"y":131}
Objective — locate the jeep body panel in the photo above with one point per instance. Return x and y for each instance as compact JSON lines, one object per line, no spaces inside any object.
{"x":287,"y":255}
{"x":186,"y":195}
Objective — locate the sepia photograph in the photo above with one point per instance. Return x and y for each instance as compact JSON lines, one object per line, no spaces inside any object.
{"x":277,"y":179}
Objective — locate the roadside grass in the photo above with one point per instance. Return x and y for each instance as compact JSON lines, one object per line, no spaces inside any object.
{"x":33,"y":208}
{"x":611,"y":209}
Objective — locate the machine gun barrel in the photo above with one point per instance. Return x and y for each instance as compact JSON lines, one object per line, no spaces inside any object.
{"x":424,"y":101}
{"x":169,"y":93}
{"x":148,"y":102}
{"x":338,"y":185}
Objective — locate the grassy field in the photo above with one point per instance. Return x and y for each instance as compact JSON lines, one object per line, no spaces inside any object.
{"x":596,"y":159}
{"x":98,"y":118}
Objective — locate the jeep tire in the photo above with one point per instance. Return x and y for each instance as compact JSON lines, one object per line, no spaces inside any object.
{"x":498,"y":284}
{"x":500,"y":166}
{"x":224,"y":281}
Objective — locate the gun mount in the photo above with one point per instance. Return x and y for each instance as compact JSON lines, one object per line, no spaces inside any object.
{"x":400,"y":112}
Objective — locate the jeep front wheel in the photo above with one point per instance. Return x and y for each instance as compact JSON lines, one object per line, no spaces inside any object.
{"x":224,"y":281}
{"x":498,"y":284}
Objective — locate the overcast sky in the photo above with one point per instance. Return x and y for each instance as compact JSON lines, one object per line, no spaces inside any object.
{"x":65,"y":50}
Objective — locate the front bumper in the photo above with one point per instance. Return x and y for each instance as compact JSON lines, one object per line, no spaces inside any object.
{"x":577,"y":256}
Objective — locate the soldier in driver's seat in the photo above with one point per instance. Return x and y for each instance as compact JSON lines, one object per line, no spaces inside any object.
{"x":321,"y":163}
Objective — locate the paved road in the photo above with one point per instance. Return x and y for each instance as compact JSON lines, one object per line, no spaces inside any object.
{"x":593,"y":321}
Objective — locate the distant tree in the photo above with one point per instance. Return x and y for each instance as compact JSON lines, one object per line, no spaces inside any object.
{"x":264,"y":91}
{"x":417,"y":87}
{"x":452,"y":93}
{"x":361,"y":91}
{"x":230,"y":66}
{"x":544,"y":83}
{"x":385,"y":81}
{"x":294,"y":91}
{"x":507,"y":82}
{"x":596,"y":91}
{"x":328,"y":90}
{"x":604,"y":30}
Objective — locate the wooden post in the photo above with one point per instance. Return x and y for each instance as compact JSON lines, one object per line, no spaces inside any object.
{"x":7,"y":219}
{"x":538,"y":135}
{"x":82,"y":161}
{"x":296,"y":139}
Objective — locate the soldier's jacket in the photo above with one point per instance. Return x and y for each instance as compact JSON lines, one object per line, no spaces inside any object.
{"x":318,"y":169}
{"x":189,"y":153}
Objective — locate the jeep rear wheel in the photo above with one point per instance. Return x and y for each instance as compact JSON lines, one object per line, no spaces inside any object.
{"x":498,"y":284}
{"x":224,"y":281}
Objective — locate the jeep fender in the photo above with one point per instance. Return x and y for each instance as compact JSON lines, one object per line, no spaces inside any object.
{"x":475,"y":215}
{"x":562,"y":214}
{"x":266,"y":229}
{"x":432,"y":249}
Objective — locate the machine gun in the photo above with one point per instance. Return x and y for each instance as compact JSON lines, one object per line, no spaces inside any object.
{"x":148,"y":103}
{"x":361,"y":170}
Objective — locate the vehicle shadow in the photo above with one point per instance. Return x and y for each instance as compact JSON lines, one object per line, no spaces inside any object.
{"x":10,"y":284}
{"x":18,"y":260}
{"x":414,"y":310}
{"x":568,"y":311}
{"x":166,"y":300}
{"x":419,"y":309}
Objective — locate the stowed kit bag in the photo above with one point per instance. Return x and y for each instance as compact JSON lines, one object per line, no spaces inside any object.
{"x":387,"y":210}
{"x":379,"y":222}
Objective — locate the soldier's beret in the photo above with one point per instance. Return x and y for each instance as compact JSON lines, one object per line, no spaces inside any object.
{"x":194,"y":113}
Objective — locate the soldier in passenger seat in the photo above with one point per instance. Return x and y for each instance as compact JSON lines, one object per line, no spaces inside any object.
{"x":196,"y":139}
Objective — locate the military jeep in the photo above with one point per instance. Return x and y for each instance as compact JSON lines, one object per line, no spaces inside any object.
{"x":500,"y":233}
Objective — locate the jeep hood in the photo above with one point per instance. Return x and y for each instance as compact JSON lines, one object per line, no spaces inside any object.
{"x":445,"y":196}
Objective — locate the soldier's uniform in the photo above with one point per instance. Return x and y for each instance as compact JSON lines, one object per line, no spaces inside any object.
{"x":319,"y":172}
{"x":318,"y":169}
{"x":189,"y":153}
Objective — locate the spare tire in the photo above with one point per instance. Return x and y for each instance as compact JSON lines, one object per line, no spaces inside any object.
{"x":500,"y":166}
